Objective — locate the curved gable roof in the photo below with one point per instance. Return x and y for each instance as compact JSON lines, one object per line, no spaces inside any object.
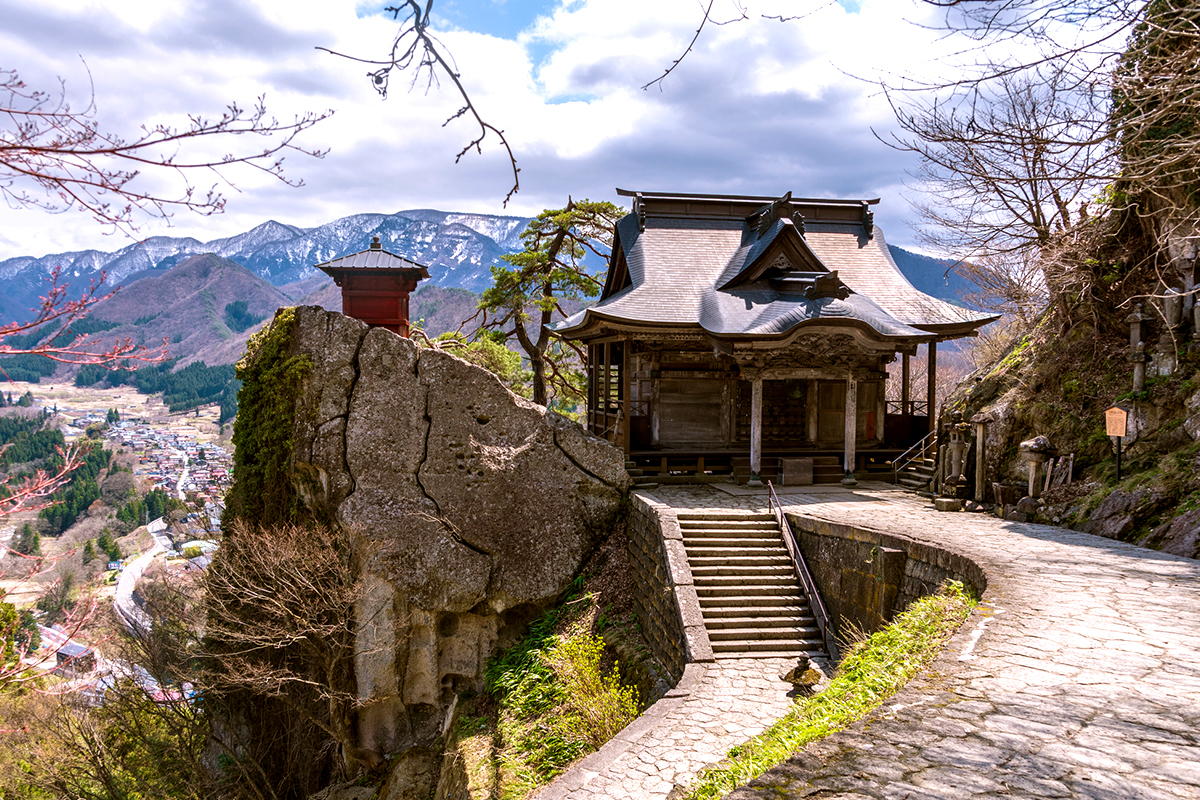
{"x":716,"y":271}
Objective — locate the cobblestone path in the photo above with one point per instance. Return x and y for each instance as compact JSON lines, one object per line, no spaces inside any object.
{"x":1078,"y":676}
{"x":714,"y":707}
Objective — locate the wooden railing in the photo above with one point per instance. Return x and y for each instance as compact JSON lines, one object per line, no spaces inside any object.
{"x":803,"y":575}
{"x":911,"y":408}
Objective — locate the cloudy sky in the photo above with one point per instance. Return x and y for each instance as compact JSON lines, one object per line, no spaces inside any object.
{"x":759,"y":107}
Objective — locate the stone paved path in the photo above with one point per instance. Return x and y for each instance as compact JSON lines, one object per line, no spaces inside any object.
{"x":715,"y":707}
{"x":1078,"y":676}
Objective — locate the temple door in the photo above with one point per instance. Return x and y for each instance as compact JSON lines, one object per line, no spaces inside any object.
{"x":831,"y":411}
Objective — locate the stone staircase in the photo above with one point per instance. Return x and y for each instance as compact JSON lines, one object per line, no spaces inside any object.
{"x":752,"y":604}
{"x":917,"y":474}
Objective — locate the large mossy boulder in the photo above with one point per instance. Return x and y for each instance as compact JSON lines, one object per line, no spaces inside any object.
{"x":474,"y":509}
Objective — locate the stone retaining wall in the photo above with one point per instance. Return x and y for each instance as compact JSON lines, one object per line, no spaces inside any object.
{"x":866,"y":577}
{"x":664,"y":595}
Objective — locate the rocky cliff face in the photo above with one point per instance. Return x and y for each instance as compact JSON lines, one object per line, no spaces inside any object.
{"x":474,"y":509}
{"x":1059,"y":385}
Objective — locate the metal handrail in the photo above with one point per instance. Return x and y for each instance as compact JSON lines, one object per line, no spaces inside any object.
{"x":901,"y":461}
{"x":802,"y":574}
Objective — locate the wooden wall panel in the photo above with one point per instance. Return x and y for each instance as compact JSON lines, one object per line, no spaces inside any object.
{"x":689,"y":412}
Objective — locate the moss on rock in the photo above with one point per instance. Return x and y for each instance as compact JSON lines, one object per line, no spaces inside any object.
{"x":263,"y":433}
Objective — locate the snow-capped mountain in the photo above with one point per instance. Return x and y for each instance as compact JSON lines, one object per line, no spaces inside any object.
{"x":459,"y":250}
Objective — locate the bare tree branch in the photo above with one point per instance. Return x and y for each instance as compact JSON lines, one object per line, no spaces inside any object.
{"x":416,"y":49}
{"x":47,"y":144}
{"x":691,"y":44}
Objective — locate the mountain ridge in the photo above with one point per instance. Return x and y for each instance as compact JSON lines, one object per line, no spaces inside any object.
{"x":459,"y":248}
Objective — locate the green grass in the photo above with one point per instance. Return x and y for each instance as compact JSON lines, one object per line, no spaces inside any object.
{"x":871,"y":671}
{"x":551,"y":699}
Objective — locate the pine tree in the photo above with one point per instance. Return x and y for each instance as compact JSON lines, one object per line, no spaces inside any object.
{"x":29,"y":542}
{"x":89,"y":552}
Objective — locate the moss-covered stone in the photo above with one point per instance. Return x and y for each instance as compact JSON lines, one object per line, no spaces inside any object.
{"x":263,"y":491}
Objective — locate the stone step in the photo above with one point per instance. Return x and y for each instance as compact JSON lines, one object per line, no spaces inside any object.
{"x":755,"y":634}
{"x":757,"y":573}
{"x":723,"y":557}
{"x":774,"y":622}
{"x":727,"y":525}
{"x":633,"y":473}
{"x":741,"y":591}
{"x":760,"y":531}
{"x":719,"y":548}
{"x":756,"y":579}
{"x":762,"y":647}
{"x":735,"y":550}
{"x":742,"y":608}
{"x":706,"y":518}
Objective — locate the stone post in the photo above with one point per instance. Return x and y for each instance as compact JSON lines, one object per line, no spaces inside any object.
{"x":1172,"y":304}
{"x":1137,"y":348}
{"x":981,"y":421}
{"x":958,"y":447}
{"x":1191,"y":260}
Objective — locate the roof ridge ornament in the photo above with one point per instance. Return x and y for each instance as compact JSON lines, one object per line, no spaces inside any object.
{"x":765,"y":217}
{"x":828,"y":286}
{"x":868,"y":219}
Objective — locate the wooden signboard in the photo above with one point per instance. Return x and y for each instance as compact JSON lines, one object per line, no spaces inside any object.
{"x":1116,"y":421}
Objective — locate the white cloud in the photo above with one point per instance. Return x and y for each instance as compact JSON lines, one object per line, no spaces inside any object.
{"x":759,"y":106}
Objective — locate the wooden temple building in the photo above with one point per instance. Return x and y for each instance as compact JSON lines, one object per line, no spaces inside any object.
{"x":375,"y":285}
{"x":735,"y":331}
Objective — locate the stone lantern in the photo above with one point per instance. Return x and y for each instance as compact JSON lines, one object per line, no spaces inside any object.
{"x":375,"y":285}
{"x":1037,"y":451}
{"x":959,"y":442}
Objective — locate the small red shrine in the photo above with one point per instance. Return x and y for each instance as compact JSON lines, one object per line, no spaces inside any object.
{"x":375,"y":285}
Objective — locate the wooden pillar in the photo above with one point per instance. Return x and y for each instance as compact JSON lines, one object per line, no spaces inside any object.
{"x":931,"y":386}
{"x":655,"y":393}
{"x":605,"y":386}
{"x":593,"y":394}
{"x":851,"y":424}
{"x":905,"y":386}
{"x":756,"y":399}
{"x":625,"y":401}
{"x":810,"y":411}
{"x":728,"y":424}
{"x":880,"y":410}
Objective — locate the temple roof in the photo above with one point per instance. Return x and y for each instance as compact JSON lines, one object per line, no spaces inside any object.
{"x":374,"y":258}
{"x":748,"y":267}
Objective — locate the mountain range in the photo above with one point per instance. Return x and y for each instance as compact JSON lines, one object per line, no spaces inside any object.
{"x":184,"y":290}
{"x":458,"y":248}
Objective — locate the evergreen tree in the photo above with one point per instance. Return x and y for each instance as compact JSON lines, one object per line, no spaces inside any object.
{"x":526,"y":295}
{"x":89,"y":552}
{"x":29,"y":542}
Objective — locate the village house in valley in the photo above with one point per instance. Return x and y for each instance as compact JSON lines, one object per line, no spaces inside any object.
{"x":734,"y":331}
